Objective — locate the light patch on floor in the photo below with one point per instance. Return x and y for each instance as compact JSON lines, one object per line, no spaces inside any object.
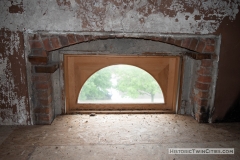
{"x":140,"y":136}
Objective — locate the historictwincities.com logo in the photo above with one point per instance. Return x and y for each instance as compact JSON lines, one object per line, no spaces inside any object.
{"x":200,"y":150}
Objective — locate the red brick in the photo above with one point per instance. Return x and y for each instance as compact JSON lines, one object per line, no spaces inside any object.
{"x":71,"y":38}
{"x":117,"y":36}
{"x":193,"y":44}
{"x":44,"y":36}
{"x":161,"y":39}
{"x":35,"y":60}
{"x":210,"y":41}
{"x":186,"y":42}
{"x":178,"y":42}
{"x":33,"y":37}
{"x":41,"y":77}
{"x":99,"y":37}
{"x":203,"y":94}
{"x":205,"y":71}
{"x":109,"y":36}
{"x":89,"y":37}
{"x":50,"y":68}
{"x":202,"y":86}
{"x":171,"y":40}
{"x":80,"y":38}
{"x":45,"y":110}
{"x":44,"y":94}
{"x":47,"y":44}
{"x":144,"y":37}
{"x":45,"y":102}
{"x":204,"y":79}
{"x":209,"y":49}
{"x":64,"y":40}
{"x":202,"y":102}
{"x":39,"y":53}
{"x":55,"y":43}
{"x":43,"y":85}
{"x":44,"y":117}
{"x":35,"y":44}
{"x":200,"y":46}
{"x":206,"y":63}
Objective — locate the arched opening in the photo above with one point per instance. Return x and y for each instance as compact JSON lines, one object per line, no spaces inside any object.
{"x":121,"y":84}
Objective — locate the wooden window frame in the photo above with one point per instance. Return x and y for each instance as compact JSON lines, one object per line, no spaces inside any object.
{"x":78,"y":68}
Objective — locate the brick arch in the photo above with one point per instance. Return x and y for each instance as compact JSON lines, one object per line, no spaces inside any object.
{"x":41,"y":44}
{"x":201,"y":47}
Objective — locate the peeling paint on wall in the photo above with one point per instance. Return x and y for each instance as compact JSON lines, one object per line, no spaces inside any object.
{"x":157,"y":15}
{"x":160,"y":16}
{"x":14,"y":107}
{"x":16,"y":7}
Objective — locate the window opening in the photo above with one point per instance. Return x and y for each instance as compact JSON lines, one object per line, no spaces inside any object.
{"x":121,"y":84}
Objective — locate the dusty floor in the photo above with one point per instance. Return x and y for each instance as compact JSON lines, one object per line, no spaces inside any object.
{"x":128,"y":137}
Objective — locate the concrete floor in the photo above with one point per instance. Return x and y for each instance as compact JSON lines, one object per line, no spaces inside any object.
{"x":127,"y":137}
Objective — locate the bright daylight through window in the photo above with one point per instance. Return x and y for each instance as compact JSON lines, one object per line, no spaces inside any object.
{"x":121,"y":84}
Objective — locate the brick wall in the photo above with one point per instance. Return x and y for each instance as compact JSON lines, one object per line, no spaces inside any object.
{"x":42,"y":95}
{"x":200,"y":48}
{"x":201,"y":93}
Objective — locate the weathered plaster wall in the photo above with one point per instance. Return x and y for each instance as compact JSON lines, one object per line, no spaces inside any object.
{"x":14,"y":108}
{"x":155,"y":16}
{"x":163,"y":16}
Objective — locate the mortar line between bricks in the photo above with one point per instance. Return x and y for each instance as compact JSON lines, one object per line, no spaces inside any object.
{"x":204,"y":82}
{"x":204,"y":74}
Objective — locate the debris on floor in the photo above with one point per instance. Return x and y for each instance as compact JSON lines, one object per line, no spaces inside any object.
{"x":92,"y":114}
{"x":118,"y":136}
